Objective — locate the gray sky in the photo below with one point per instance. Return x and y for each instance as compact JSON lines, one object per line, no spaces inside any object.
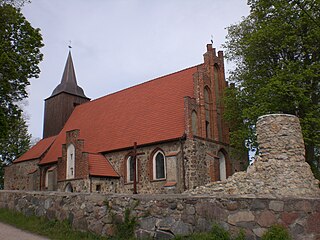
{"x":120,"y":43}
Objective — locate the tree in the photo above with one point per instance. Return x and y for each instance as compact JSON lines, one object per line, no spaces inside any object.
{"x":20,"y":54}
{"x":276,"y":50}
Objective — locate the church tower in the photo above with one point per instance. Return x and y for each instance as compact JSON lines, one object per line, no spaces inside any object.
{"x":64,"y":98}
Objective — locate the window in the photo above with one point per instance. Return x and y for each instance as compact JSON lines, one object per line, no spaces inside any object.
{"x":208,"y":111}
{"x":222,"y":166}
{"x":70,"y":161}
{"x":98,"y":188}
{"x":46,"y":182}
{"x":130,"y":169}
{"x":194,"y":120}
{"x":159,"y":166}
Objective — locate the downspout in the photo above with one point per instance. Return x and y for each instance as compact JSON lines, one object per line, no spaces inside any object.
{"x":183,"y":165}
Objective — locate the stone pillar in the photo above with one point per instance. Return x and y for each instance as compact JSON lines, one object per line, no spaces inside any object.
{"x":280,"y":138}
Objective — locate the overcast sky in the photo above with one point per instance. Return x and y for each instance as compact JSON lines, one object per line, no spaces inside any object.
{"x":120,"y":43}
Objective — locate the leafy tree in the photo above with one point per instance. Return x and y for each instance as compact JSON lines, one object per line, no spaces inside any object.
{"x":17,"y":143}
{"x":276,"y":50}
{"x":20,"y":54}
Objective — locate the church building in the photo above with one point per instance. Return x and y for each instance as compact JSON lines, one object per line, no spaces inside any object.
{"x":165,"y":135}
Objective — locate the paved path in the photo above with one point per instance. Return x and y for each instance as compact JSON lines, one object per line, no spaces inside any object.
{"x":8,"y":232}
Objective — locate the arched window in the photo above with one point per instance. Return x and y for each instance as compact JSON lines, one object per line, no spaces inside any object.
{"x":130,"y":169}
{"x":194,"y":119}
{"x":68,"y":188}
{"x":71,"y":161}
{"x":159,"y":165}
{"x":208,"y":110}
{"x":222,"y":166}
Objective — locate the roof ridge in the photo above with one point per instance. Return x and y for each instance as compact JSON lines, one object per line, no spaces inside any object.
{"x":139,"y":84}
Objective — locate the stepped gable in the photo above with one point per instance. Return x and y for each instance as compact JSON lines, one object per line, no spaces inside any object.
{"x":279,"y":170}
{"x":146,"y":113}
{"x":37,"y":150}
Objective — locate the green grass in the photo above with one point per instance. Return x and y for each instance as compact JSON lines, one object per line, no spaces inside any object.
{"x":44,"y":227}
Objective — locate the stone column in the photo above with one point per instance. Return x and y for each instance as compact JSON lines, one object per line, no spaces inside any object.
{"x":280,"y":138}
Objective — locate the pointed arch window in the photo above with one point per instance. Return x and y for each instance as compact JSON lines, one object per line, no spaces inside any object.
{"x":159,"y":165}
{"x":208,"y":111}
{"x":71,"y":161}
{"x":194,"y":119}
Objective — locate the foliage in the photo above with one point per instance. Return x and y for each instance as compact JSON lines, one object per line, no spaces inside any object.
{"x":276,"y":52}
{"x":125,"y":229}
{"x":20,"y":54}
{"x":44,"y":227}
{"x":15,"y":3}
{"x":12,"y":147}
{"x":17,"y":142}
{"x":276,"y":232}
{"x":216,"y":233}
{"x":19,"y":57}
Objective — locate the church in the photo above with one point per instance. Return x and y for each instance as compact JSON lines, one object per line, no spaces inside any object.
{"x":166,"y":135}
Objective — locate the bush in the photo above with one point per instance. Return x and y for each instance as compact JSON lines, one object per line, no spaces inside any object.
{"x":217,"y":233}
{"x":276,"y":232}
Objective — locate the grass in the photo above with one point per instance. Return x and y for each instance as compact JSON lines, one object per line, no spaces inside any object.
{"x":44,"y":227}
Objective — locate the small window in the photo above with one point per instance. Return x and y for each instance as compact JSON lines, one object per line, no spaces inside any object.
{"x":46,"y":182}
{"x":130,"y":169}
{"x":159,"y":166}
{"x":98,"y":188}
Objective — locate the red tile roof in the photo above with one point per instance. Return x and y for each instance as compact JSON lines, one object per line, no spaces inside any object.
{"x":100,"y":166}
{"x":37,"y":150}
{"x":146,"y":113}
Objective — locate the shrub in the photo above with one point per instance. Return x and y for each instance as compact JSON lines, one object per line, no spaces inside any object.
{"x":276,"y":232}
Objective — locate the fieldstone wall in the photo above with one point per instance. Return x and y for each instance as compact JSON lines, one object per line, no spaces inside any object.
{"x":164,"y":216}
{"x":23,"y":176}
{"x":145,"y":181}
{"x":279,"y":170}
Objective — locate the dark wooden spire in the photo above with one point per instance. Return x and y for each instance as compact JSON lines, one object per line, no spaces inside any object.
{"x":63,"y":100}
{"x":69,"y":82}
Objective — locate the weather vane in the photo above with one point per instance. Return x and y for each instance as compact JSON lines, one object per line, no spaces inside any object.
{"x":69,"y":46}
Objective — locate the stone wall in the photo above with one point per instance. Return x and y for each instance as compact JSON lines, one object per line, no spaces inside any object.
{"x":280,"y":169}
{"x":166,"y":215}
{"x":23,"y":176}
{"x":202,"y":162}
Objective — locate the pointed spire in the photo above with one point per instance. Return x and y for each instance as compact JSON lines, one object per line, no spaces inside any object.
{"x":69,"y":82}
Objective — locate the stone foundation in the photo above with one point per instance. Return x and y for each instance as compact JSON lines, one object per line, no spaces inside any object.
{"x":168,"y":215}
